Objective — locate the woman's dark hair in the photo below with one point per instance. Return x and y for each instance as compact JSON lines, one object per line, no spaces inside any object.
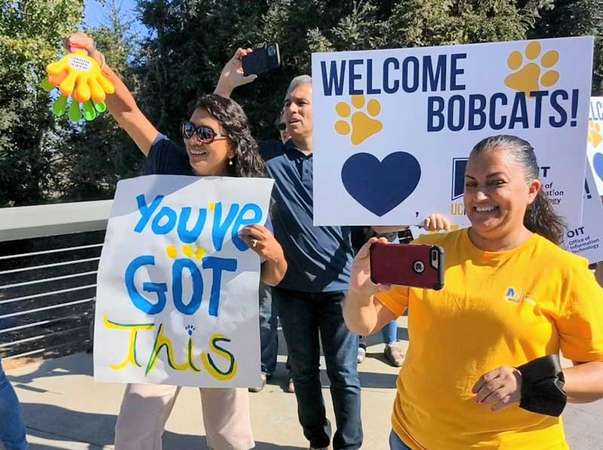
{"x":247,"y":161}
{"x":540,"y":217}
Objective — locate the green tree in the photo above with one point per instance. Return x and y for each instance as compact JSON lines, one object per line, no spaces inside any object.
{"x":95,"y":155}
{"x":192,"y":40}
{"x":575,"y":18}
{"x":31,"y":31}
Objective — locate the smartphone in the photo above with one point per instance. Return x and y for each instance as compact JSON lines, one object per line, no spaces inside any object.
{"x":408,"y":265}
{"x":261,"y":60}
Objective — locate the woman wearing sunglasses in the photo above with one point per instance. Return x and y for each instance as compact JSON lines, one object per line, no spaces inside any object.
{"x":217,"y":142}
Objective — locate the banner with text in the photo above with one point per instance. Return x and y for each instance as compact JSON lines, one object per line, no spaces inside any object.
{"x":396,"y":126}
{"x":586,"y":238}
{"x":177,"y":292}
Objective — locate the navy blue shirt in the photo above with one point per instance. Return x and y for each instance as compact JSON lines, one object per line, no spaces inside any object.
{"x":167,"y":158}
{"x":319,"y":258}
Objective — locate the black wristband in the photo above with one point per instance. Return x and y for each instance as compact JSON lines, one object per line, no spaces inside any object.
{"x":542,"y":384}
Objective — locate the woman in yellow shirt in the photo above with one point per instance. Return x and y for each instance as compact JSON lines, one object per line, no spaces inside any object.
{"x":482,"y":369}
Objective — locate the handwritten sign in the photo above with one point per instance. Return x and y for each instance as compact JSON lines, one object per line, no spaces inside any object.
{"x":177,"y":296}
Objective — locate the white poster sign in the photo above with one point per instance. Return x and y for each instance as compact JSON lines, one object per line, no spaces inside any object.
{"x":394,"y":122}
{"x":586,"y":239}
{"x":177,"y":295}
{"x":595,"y":140}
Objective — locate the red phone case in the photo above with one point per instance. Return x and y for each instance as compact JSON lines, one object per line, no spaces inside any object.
{"x":408,"y":265}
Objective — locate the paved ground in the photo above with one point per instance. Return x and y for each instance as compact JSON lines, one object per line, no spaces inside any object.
{"x":65,"y":409}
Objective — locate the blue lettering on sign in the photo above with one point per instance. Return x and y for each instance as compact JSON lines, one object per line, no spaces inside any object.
{"x":519,"y":112}
{"x":355,"y":76}
{"x":161,"y":226}
{"x":332,"y":81}
{"x":596,"y":110}
{"x":189,"y":236}
{"x":196,"y":281}
{"x":215,"y":264}
{"x":428,"y":73}
{"x":242,"y":221}
{"x":159,"y":289}
{"x":443,"y":73}
{"x":500,"y":110}
{"x":458,"y":177}
{"x":146,"y":211}
{"x":219,"y":227}
{"x":189,"y":225}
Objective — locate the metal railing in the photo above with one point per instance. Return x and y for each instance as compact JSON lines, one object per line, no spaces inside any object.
{"x":49,"y":257}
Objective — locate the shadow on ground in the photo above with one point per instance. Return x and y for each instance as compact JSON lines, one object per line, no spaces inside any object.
{"x":94,"y":431}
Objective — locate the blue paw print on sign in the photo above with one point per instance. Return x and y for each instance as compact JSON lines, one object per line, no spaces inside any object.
{"x":380,"y":186}
{"x":598,"y":164}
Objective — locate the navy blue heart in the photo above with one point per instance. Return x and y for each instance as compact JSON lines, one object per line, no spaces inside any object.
{"x":381,"y":186}
{"x":598,"y":164}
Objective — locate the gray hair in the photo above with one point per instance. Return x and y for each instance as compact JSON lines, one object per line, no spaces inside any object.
{"x":296,"y":82}
{"x":520,"y":151}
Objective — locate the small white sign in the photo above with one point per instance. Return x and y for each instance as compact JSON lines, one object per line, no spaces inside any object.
{"x":587,"y":239}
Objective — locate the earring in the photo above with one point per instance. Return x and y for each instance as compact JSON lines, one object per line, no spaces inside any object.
{"x":230,"y":162}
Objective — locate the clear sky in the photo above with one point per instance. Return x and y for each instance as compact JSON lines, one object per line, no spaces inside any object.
{"x":96,"y":14}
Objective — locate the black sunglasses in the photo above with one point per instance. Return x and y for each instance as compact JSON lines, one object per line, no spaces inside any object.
{"x":204,"y":133}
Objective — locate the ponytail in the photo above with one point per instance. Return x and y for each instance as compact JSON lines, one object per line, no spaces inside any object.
{"x":541,"y":218}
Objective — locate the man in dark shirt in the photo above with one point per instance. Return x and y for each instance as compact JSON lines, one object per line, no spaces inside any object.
{"x":311,"y":294}
{"x":319,"y":261}
{"x":268,"y":305}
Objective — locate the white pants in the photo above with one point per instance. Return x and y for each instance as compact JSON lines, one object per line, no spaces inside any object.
{"x":146,"y":407}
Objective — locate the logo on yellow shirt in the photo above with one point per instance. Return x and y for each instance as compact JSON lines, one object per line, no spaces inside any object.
{"x":512,"y":295}
{"x":515,"y":296}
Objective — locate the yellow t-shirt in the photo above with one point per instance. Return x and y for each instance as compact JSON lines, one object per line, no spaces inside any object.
{"x":496,"y":309}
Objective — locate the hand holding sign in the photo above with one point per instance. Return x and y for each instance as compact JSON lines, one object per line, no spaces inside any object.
{"x":262,"y":241}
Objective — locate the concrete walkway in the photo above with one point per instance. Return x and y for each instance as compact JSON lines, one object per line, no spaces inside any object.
{"x":65,"y":409}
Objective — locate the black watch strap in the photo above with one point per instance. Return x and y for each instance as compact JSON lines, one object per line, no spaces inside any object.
{"x":542,"y":384}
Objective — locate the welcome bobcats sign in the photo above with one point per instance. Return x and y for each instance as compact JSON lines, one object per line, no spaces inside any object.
{"x":394,"y":124}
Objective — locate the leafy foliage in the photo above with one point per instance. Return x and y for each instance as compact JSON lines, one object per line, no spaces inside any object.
{"x":42,"y":159}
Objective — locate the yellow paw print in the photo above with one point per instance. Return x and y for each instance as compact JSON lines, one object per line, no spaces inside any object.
{"x":594,"y":134}
{"x":197,"y":252}
{"x":361,"y":125}
{"x":532,"y":76}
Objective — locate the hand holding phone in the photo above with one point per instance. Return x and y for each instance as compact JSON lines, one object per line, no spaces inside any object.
{"x":407,"y":265}
{"x":261,"y":60}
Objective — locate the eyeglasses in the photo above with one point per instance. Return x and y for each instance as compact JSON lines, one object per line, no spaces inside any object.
{"x":281,"y":126}
{"x":204,"y":133}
